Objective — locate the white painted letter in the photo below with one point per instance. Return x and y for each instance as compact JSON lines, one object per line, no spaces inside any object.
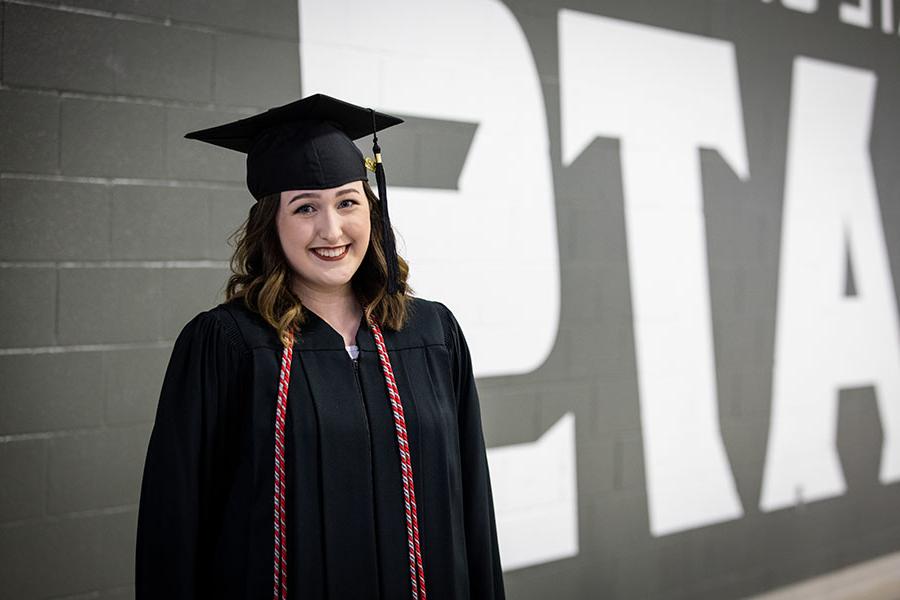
{"x":825,"y":340}
{"x":887,"y":16}
{"x":857,"y":14}
{"x":806,"y":6}
{"x":536,"y":497}
{"x":665,"y":95}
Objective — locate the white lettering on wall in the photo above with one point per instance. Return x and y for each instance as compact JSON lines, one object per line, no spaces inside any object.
{"x":537,"y":516}
{"x":887,"y":16}
{"x":859,"y":13}
{"x":825,"y":340}
{"x":806,"y":6}
{"x":664,"y":95}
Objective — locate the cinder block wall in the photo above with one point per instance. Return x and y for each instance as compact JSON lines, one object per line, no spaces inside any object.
{"x":112,"y":235}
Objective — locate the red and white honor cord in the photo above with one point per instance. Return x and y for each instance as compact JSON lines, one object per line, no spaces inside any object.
{"x":409,"y":492}
{"x":279,"y":517}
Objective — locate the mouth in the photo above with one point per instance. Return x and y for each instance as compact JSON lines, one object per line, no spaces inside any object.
{"x":331,"y":254}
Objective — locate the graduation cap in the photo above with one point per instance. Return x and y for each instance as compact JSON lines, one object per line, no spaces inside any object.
{"x":308,"y":144}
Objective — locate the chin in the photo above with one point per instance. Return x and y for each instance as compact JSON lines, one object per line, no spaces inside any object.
{"x":335,"y":281}
{"x":324,"y":277}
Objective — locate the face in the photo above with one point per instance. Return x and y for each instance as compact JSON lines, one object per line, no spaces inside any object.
{"x":334,"y":220}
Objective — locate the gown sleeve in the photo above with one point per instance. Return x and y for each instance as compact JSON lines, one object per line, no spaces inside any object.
{"x":184,"y":470}
{"x":482,"y":550}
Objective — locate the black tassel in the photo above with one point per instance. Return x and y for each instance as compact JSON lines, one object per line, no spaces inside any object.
{"x":387,"y":232}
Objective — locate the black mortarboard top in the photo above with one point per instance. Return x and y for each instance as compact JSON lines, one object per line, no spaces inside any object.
{"x":308,"y":144}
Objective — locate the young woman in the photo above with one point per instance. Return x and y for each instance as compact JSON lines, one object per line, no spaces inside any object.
{"x":318,"y":434}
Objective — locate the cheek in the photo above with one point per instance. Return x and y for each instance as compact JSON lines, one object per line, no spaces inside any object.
{"x":363,"y":234}
{"x":362,"y":228}
{"x":293,"y":235}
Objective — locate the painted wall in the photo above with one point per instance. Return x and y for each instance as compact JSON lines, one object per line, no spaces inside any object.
{"x":682,"y":220}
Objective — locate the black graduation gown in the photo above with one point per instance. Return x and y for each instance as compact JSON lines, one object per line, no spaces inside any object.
{"x":205,"y":525}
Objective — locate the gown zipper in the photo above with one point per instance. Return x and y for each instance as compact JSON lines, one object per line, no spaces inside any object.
{"x":359,"y":390}
{"x":368,"y":446}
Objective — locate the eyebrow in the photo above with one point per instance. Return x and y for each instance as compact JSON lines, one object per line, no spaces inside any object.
{"x":343,"y":192}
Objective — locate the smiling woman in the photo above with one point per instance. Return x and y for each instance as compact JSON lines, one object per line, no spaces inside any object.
{"x":289,"y":420}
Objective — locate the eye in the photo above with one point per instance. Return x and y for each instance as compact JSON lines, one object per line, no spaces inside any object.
{"x":300,"y":209}
{"x":350,"y":200}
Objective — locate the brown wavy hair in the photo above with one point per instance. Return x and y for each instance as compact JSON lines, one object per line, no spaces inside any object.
{"x":261,"y":275}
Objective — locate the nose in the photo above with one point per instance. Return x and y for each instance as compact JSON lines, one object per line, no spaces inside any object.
{"x":330,"y":226}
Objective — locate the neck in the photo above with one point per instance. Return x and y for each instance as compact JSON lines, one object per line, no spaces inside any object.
{"x":338,"y":307}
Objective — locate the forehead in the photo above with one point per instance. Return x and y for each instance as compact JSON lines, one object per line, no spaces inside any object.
{"x":353,"y":187}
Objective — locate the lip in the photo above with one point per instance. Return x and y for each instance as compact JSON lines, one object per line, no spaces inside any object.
{"x":329,"y":258}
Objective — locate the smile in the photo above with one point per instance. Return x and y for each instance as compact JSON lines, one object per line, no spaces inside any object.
{"x":331,"y":255}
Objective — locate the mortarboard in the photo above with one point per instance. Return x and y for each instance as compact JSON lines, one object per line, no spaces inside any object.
{"x":308,"y":144}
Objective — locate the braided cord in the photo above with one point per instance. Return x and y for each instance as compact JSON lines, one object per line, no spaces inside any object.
{"x":409,"y":492}
{"x":279,"y":517}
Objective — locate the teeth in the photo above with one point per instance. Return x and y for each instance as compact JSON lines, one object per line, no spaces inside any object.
{"x":330,"y":253}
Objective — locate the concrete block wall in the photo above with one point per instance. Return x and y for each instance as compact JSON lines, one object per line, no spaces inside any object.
{"x":112,"y":236}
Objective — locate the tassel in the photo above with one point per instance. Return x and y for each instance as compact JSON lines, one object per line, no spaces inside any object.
{"x":387,"y":232}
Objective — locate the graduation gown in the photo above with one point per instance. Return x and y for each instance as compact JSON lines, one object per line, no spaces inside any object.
{"x":205,"y":526}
